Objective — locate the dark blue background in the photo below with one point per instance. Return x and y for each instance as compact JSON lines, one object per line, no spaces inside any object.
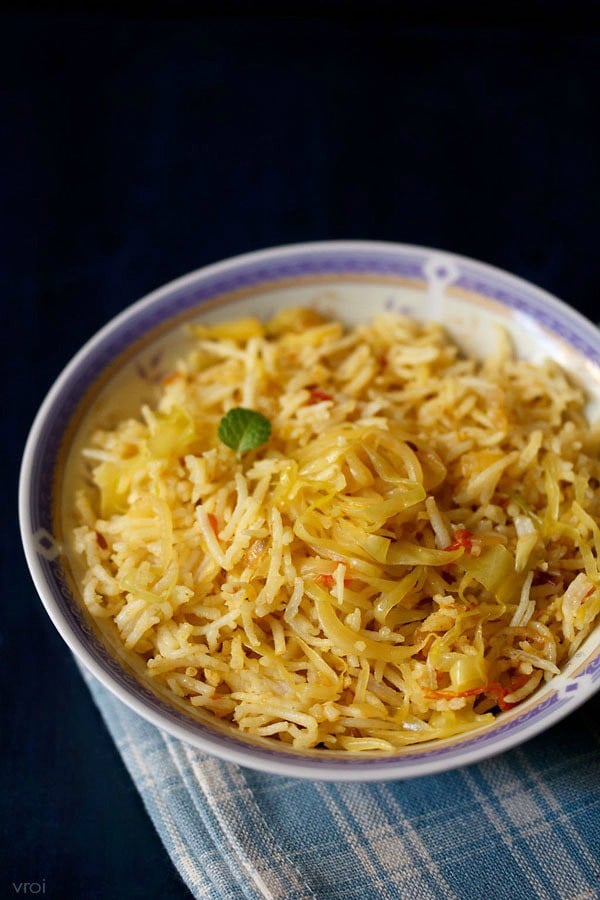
{"x":138,"y":146}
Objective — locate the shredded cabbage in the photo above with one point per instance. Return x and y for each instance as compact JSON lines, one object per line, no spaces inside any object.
{"x":414,"y":549}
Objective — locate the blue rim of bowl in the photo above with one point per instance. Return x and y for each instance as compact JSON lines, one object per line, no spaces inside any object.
{"x":173,"y":301}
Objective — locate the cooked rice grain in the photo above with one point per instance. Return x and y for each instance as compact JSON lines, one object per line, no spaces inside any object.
{"x":415,"y":547}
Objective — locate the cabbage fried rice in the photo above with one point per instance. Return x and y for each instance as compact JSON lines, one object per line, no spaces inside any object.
{"x":414,"y":548}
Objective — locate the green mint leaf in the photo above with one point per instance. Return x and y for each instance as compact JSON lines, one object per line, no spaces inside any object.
{"x":244,"y":429}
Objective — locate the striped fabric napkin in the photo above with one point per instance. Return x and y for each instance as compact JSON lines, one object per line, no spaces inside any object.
{"x":523,"y":825}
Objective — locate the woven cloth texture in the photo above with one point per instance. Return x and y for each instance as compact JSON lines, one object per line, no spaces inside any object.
{"x":523,"y":824}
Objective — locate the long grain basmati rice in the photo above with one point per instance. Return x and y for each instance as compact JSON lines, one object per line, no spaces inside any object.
{"x":415,"y":546}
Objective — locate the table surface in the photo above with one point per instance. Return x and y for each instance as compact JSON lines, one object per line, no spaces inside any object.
{"x":138,"y":147}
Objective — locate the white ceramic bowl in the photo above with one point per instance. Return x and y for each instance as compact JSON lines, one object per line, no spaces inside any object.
{"x":352,"y":280}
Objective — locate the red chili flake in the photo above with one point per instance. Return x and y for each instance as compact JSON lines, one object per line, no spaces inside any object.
{"x":452,"y":695}
{"x":101,"y":541}
{"x":213,"y":522}
{"x":500,"y":692}
{"x":462,"y":538}
{"x":328,"y":580}
{"x":504,"y":706}
{"x":493,"y":687}
{"x":317,"y":395}
{"x":518,"y":681}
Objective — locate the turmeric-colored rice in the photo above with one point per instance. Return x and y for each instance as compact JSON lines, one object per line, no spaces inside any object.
{"x":414,"y":548}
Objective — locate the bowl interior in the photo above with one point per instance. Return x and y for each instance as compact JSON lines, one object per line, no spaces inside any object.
{"x":120,"y":368}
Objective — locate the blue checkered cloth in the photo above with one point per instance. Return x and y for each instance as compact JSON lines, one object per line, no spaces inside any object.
{"x":525,"y":824}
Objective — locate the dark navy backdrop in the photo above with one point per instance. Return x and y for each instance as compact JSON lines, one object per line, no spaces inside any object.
{"x":136,"y":147}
